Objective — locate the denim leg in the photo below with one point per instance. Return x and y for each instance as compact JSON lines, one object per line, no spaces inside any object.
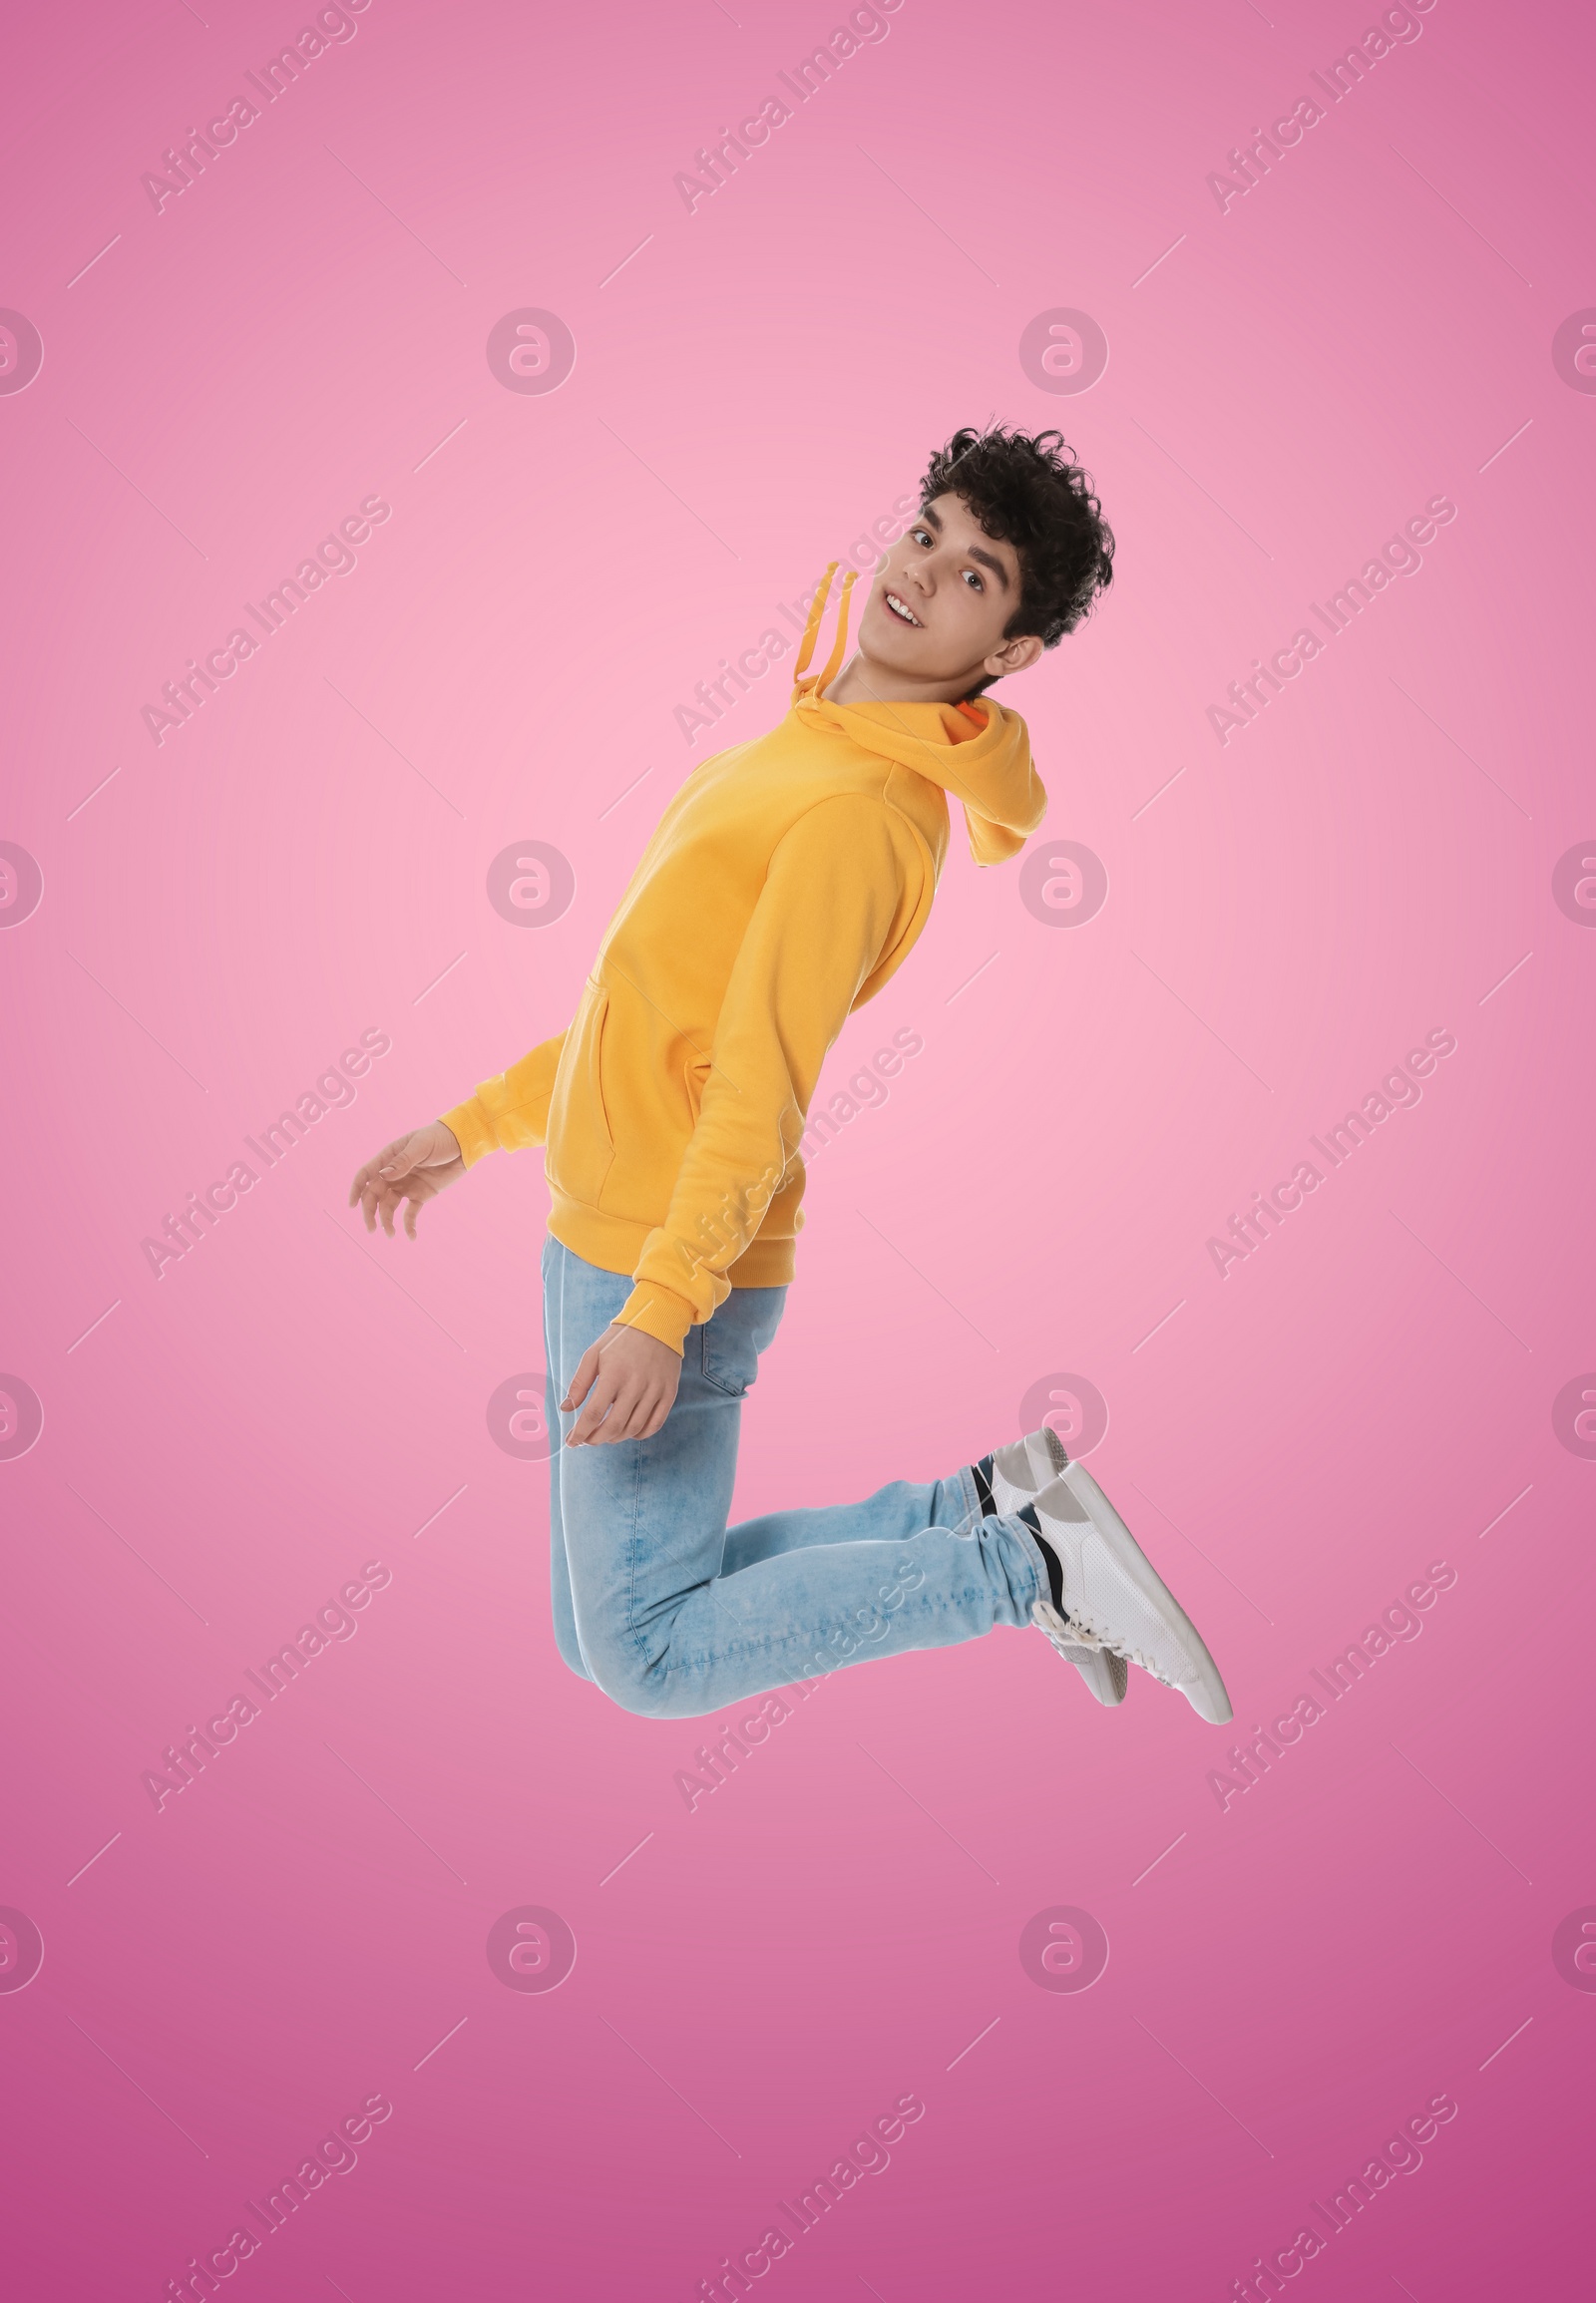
{"x":892,"y":1515}
{"x":665,"y":1629}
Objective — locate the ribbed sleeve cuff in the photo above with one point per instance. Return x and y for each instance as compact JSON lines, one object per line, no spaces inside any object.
{"x":658,"y":1312}
{"x":472,"y":1129}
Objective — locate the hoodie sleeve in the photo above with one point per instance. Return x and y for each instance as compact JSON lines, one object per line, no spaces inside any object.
{"x":841,"y":886}
{"x":512,"y":1111}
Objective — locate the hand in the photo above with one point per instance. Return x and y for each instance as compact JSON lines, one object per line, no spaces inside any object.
{"x":410,"y":1171}
{"x":632,"y":1376}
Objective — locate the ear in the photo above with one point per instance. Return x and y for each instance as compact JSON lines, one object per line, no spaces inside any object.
{"x":1013,"y":655}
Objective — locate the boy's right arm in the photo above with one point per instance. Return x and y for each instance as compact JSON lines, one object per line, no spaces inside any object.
{"x":510,"y":1112}
{"x":505,"y":1114}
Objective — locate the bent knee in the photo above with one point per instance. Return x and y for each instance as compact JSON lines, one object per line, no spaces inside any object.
{"x":648,"y":1690}
{"x":623,"y":1674}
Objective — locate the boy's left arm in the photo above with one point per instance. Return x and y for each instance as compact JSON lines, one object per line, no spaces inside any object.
{"x":840,"y":886}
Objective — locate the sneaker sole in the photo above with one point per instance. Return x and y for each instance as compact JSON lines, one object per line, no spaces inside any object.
{"x":1208,"y":1698}
{"x":1107,"y":1675}
{"x":1102,"y":1669}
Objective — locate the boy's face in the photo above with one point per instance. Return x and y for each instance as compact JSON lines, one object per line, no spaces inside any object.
{"x":937,"y":611}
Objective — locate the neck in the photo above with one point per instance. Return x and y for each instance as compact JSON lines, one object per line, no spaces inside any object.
{"x":860,"y":681}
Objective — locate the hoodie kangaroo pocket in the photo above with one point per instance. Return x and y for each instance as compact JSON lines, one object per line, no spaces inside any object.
{"x":580,"y":1149}
{"x":695,"y":1079}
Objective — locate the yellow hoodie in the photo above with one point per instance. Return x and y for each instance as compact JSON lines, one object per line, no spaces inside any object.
{"x":788,"y":879}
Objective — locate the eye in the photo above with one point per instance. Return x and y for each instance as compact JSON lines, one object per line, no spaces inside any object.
{"x":921,"y":535}
{"x":972,"y":579}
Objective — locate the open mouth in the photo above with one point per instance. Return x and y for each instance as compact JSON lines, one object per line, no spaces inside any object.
{"x":905,"y":614}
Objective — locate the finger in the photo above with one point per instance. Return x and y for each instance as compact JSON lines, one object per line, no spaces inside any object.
{"x":402,"y":1197}
{"x":413,"y":1208}
{"x":629,"y":1414}
{"x":374,"y":1166}
{"x":595,"y":1425}
{"x":587,"y":1369}
{"x":604,"y":1403}
{"x":615,"y":1426}
{"x":365,"y":1177}
{"x":374,"y":1188}
{"x":585,"y":1388}
{"x":646,"y":1417}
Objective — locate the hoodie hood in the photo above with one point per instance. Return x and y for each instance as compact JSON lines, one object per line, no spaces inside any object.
{"x":979,"y":752}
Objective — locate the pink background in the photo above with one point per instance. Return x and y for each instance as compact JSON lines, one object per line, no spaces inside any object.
{"x":221,"y":1450}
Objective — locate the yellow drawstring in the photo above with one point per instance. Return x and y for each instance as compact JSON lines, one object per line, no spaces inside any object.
{"x":806,"y":647}
{"x":834,"y":660}
{"x":816,"y":612}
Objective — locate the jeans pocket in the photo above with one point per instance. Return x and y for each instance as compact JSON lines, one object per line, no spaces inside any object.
{"x":729,"y":1361}
{"x":730,"y":1343}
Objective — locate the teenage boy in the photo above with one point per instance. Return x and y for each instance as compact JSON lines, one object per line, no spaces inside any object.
{"x":787,"y":881}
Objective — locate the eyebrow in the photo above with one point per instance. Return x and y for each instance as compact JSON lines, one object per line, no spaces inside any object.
{"x":975,"y":553}
{"x":986,"y":560}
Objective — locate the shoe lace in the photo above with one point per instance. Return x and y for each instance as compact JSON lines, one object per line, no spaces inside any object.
{"x":1069,"y":1631}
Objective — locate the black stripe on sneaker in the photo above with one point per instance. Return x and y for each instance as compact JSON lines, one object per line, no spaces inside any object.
{"x":1056,"y":1571}
{"x":983,"y":1472}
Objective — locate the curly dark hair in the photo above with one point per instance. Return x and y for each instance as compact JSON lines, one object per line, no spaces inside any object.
{"x":1025,"y":491}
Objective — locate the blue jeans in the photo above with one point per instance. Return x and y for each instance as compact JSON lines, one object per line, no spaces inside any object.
{"x":669,"y":1611}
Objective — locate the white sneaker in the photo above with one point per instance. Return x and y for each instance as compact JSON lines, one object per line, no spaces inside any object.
{"x":1022,"y":1469}
{"x":1115,"y":1600}
{"x":1019,"y":1472}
